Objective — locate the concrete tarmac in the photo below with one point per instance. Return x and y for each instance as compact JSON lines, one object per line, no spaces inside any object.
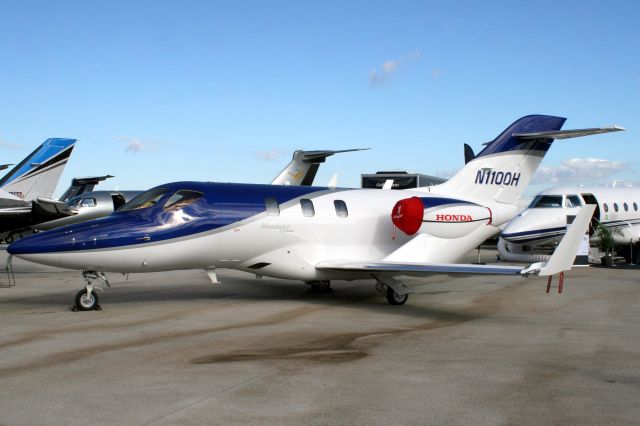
{"x":171,"y":348}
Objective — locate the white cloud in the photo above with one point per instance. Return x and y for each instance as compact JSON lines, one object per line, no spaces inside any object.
{"x":272,"y":155}
{"x":10,"y":145}
{"x":379,"y":77}
{"x":136,"y":145}
{"x":578,"y":170}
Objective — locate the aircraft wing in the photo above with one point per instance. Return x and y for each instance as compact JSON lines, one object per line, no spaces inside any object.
{"x":561,"y":260}
{"x":418,"y":269}
{"x":566,"y":134}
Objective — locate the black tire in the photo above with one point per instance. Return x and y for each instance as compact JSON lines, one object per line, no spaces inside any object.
{"x":394,"y":298}
{"x":87,"y":304}
{"x":320,"y":287}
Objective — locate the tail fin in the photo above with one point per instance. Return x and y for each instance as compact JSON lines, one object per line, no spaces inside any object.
{"x":39,"y":173}
{"x":82,"y":185}
{"x":504,"y":168}
{"x":304,"y":165}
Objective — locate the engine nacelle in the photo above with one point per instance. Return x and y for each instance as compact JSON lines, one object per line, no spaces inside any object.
{"x":439,"y":216}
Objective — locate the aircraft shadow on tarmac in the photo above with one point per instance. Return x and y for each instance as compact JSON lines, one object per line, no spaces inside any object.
{"x":140,"y":289}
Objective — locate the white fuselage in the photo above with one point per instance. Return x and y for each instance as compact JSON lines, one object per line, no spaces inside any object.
{"x":287,"y":245}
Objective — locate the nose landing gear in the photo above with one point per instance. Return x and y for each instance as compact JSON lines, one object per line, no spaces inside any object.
{"x":87,"y":299}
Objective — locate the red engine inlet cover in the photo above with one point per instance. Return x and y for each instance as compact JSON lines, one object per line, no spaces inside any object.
{"x":407,"y":215}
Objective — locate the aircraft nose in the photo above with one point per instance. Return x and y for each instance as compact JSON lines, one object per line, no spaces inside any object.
{"x":28,"y":245}
{"x":514,"y":230}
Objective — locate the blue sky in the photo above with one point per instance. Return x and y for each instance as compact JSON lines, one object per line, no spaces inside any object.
{"x":159,"y":91}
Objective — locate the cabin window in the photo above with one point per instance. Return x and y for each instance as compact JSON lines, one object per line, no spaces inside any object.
{"x":81,"y":202}
{"x":88,"y":202}
{"x":341,"y":208}
{"x":635,"y":207}
{"x":606,"y":207}
{"x":572,"y":201}
{"x":615,"y":206}
{"x":546,"y":201}
{"x":182,"y":199}
{"x":307,"y":207}
{"x":626,"y":207}
{"x":144,"y":200}
{"x":273,"y":209}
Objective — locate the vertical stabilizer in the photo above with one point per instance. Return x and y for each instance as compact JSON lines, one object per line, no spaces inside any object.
{"x":39,"y":173}
{"x":504,"y":168}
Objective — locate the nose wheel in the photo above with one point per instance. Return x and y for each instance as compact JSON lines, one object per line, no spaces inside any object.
{"x":87,"y":298}
{"x":87,"y":301}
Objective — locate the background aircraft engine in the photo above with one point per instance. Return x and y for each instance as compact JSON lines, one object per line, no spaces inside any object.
{"x":441,"y":217}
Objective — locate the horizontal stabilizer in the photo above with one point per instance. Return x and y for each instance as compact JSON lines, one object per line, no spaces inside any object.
{"x":5,"y":166}
{"x":566,"y":134}
{"x":319,"y":156}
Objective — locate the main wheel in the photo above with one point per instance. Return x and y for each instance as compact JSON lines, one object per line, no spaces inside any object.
{"x":396,"y":299}
{"x":320,"y":286}
{"x":87,"y":302}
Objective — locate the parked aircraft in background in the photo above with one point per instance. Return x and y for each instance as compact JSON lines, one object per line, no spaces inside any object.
{"x":304,"y":165}
{"x":316,"y":234}
{"x":33,"y":178}
{"x":543,"y":223}
{"x":301,"y":170}
{"x":47,"y":209}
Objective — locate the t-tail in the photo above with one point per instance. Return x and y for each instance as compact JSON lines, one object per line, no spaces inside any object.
{"x":504,"y":168}
{"x":39,"y":173}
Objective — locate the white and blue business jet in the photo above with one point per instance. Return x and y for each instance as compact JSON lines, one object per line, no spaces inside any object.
{"x":318,"y":234}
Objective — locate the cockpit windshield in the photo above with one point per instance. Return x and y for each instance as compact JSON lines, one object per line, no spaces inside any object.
{"x":181,"y":199}
{"x":144,"y":200}
{"x":546,"y":201}
{"x":572,"y":201}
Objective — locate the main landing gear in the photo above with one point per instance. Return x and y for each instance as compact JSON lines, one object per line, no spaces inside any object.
{"x":323,"y":286}
{"x":87,"y":298}
{"x":394,"y":291}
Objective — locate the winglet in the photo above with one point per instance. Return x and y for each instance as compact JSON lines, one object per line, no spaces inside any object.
{"x":565,"y":253}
